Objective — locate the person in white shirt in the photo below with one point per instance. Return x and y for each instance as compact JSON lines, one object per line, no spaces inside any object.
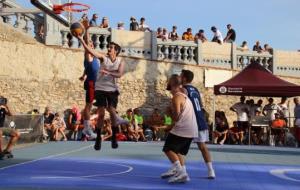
{"x":270,"y":109}
{"x":242,"y":111}
{"x":217,"y":35}
{"x":142,"y":26}
{"x":284,"y":108}
{"x":181,"y":133}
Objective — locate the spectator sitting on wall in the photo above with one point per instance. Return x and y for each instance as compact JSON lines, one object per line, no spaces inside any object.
{"x":104,"y":23}
{"x":231,"y":35}
{"x":84,"y":17}
{"x":188,"y":36}
{"x":257,"y":47}
{"x":173,"y":35}
{"x":217,"y":35}
{"x":93,"y":21}
{"x":58,"y":126}
{"x":143,"y":26}
{"x":200,"y":36}
{"x":134,"y":25}
{"x":121,"y":26}
{"x":221,"y":127}
{"x":243,"y":47}
{"x":159,"y":32}
{"x":48,"y":117}
{"x":164,"y":35}
{"x":268,"y":49}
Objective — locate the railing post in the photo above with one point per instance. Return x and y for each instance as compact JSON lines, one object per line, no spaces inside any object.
{"x":153,"y":46}
{"x":233,"y":56}
{"x":199,"y":54}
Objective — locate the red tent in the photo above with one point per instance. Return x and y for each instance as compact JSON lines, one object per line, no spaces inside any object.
{"x":255,"y":80}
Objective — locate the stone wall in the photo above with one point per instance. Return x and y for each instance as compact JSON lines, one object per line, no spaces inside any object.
{"x":34,"y":76}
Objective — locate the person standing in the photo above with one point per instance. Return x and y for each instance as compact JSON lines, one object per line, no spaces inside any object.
{"x":193,"y":93}
{"x":106,"y":88}
{"x":7,"y":131}
{"x":242,"y":111}
{"x":181,"y":132}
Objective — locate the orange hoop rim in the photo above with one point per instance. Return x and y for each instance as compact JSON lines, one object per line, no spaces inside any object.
{"x":68,"y":7}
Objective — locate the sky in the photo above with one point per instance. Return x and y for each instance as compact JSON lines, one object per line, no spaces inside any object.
{"x":276,"y":22}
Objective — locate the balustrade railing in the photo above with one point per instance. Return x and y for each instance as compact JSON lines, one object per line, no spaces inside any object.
{"x":26,"y":22}
{"x":186,"y":52}
{"x":244,"y":58}
{"x":177,"y":51}
{"x":99,"y":36}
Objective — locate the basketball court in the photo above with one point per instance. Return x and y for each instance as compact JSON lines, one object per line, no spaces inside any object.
{"x":75,"y":165}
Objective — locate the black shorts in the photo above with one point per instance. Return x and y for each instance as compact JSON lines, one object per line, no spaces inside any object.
{"x":177,"y":144}
{"x":106,"y":99}
{"x":89,"y":87}
{"x":243,"y":125}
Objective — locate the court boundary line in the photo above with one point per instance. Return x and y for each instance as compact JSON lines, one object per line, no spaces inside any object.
{"x":43,"y":158}
{"x":129,"y":169}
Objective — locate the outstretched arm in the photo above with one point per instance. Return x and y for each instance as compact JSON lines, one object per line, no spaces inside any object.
{"x":91,"y":50}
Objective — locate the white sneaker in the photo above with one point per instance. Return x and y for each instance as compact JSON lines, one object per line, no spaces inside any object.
{"x":211,"y":174}
{"x":121,"y":121}
{"x":181,"y":178}
{"x":169,"y":173}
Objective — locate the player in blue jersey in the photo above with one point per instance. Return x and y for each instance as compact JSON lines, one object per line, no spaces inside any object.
{"x":91,"y":69}
{"x":203,"y":136}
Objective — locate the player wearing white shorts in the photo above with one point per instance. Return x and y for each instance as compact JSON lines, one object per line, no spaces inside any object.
{"x":203,"y":136}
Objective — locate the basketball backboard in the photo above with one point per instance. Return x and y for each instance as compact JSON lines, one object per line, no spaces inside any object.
{"x":47,"y":7}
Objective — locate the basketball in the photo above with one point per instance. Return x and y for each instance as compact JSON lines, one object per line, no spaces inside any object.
{"x":77,"y":29}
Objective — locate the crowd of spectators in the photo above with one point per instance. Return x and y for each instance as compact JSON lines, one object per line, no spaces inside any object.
{"x":134,"y":126}
{"x":256,"y":124}
{"x":188,"y":35}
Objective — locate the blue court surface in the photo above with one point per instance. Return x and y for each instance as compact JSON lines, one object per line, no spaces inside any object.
{"x":75,"y":165}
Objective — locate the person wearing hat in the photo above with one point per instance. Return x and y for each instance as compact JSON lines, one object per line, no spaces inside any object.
{"x":134,"y":25}
{"x":121,"y":26}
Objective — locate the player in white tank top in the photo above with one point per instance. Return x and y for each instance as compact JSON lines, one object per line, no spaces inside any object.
{"x":106,"y":94}
{"x":186,"y":126}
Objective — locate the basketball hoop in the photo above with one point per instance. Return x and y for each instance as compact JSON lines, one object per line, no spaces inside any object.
{"x":70,"y":7}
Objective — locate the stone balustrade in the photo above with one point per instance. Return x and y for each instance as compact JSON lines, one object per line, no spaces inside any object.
{"x":99,"y":36}
{"x":244,"y":58}
{"x":145,"y":45}
{"x":26,"y":22}
{"x":177,"y":51}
